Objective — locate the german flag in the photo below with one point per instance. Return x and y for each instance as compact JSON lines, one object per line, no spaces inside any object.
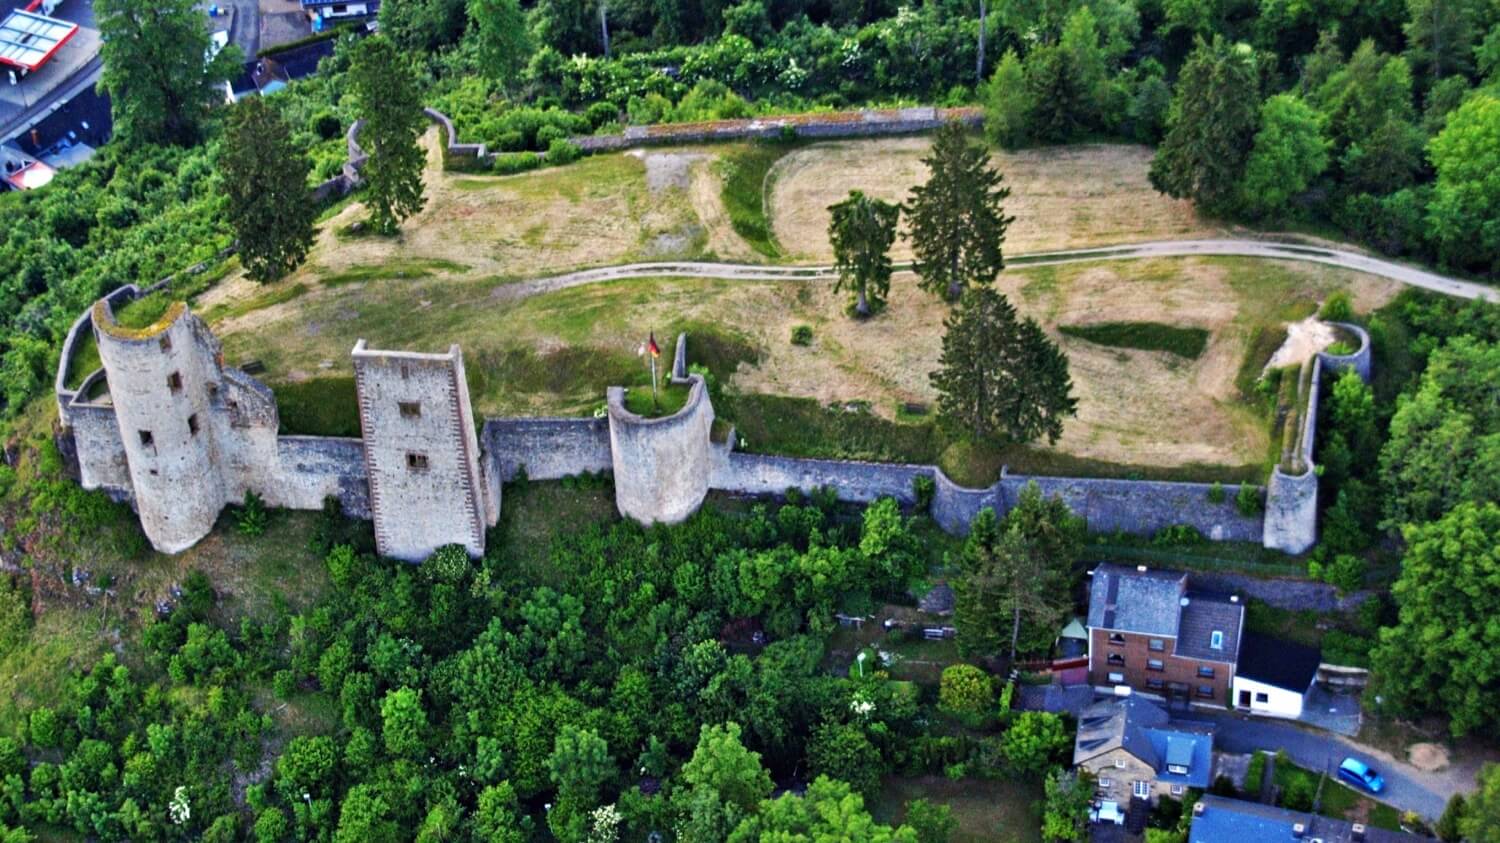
{"x":652,"y":347}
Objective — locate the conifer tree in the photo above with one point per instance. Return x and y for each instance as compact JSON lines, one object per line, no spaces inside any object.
{"x":265,"y":186}
{"x":862,"y":230}
{"x":1000,"y":376}
{"x":957,"y":221}
{"x":1211,"y":128}
{"x":385,"y":88}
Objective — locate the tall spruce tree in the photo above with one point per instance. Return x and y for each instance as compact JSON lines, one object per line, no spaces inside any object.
{"x":385,"y":89}
{"x":1015,"y":576}
{"x":862,"y":230}
{"x":1211,"y":127}
{"x":159,"y":86}
{"x":265,"y":186}
{"x":957,"y":220}
{"x":1000,"y":376}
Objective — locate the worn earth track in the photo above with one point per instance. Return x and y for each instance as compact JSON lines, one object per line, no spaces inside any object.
{"x":1402,"y":273}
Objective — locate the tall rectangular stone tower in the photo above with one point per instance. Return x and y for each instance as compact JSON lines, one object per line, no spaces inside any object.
{"x":427,"y":488}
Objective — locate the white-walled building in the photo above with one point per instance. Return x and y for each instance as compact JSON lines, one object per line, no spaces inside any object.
{"x":1274,"y":676}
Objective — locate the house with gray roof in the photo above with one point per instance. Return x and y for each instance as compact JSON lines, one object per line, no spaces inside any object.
{"x":1149,"y":630}
{"x":1136,"y":751}
{"x":1220,"y":820}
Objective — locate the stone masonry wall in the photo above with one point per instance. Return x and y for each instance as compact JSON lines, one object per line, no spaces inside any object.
{"x":421,"y":452}
{"x":550,"y":449}
{"x":766,"y":474}
{"x":1142,"y":507}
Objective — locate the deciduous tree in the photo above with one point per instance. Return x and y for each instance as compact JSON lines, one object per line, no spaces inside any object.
{"x":159,"y":82}
{"x":861,"y":232}
{"x":1288,"y":153}
{"x":1465,"y":210}
{"x":385,"y":90}
{"x":999,"y":376}
{"x":265,"y":190}
{"x":504,"y":42}
{"x":1437,"y":658}
{"x":956,"y":220}
{"x":1065,"y":815}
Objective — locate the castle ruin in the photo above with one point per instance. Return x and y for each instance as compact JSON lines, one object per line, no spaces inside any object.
{"x":166,"y":425}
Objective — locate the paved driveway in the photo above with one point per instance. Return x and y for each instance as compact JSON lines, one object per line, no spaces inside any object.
{"x":1406,"y":787}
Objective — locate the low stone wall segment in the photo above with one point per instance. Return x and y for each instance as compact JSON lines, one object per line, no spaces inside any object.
{"x":549,"y":449}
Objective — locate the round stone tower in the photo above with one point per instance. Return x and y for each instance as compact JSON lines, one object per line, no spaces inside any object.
{"x":661,"y":465}
{"x":162,"y":380}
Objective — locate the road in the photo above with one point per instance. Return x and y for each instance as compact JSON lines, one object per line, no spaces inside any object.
{"x":1406,"y":787}
{"x":1400,"y":272}
{"x":81,"y":80}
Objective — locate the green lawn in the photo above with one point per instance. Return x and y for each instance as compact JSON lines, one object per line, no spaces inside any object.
{"x":669,"y":399}
{"x":1148,"y":336}
{"x":1337,"y":800}
{"x":327,"y":406}
{"x":987,"y":811}
{"x":744,"y":171}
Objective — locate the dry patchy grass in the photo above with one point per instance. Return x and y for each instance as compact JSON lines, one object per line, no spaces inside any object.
{"x":1062,"y":197}
{"x":554,"y":353}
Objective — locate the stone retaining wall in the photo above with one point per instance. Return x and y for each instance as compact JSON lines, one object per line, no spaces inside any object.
{"x":847,"y":124}
{"x":860,"y":482}
{"x":1141,"y":507}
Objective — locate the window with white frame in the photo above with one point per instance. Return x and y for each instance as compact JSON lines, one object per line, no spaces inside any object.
{"x":1176,"y":790}
{"x":1117,"y":678}
{"x":1216,"y":640}
{"x":1142,"y":789}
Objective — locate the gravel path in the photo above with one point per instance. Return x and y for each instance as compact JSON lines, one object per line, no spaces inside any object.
{"x":1400,"y":272}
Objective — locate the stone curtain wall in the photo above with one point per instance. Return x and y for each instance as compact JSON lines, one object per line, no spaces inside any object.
{"x":316,"y":467}
{"x":549,"y":449}
{"x":844,"y":124}
{"x":1142,"y":507}
{"x":1291,"y":521}
{"x":860,"y":482}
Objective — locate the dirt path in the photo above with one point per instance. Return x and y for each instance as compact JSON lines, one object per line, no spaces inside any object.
{"x":1399,"y":272}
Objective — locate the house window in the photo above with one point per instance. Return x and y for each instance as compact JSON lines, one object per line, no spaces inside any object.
{"x":1206,"y":691}
{"x":1119,"y":763}
{"x":1155,"y":664}
{"x":410,"y":409}
{"x":1116,"y":659}
{"x":1205,"y":672}
{"x":1155,"y":684}
{"x":1176,"y":790}
{"x":193,"y":425}
{"x":1117,"y":678}
{"x":147,"y":440}
{"x":1105,"y":784}
{"x":1142,"y":789}
{"x":1216,"y":640}
{"x":1117,"y":639}
{"x":174,"y":382}
{"x":1177,"y":769}
{"x":1157,"y":645}
{"x":1262,"y":697}
{"x":416,"y":462}
{"x":165,"y":342}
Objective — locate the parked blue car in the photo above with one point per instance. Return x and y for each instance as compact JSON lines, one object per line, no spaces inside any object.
{"x":1361,"y":775}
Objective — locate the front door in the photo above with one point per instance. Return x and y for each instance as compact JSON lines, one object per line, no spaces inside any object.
{"x":1244,"y":699}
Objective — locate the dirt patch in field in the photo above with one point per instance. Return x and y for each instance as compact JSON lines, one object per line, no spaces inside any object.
{"x":666,"y":170}
{"x":705,"y":195}
{"x":1061,"y":197}
{"x":1428,"y":757}
{"x":1303,"y":340}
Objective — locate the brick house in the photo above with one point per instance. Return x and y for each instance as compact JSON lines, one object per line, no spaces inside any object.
{"x":1137,"y":752}
{"x":1150,"y":632}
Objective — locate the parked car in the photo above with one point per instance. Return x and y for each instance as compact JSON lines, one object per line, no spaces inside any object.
{"x":1361,"y":775}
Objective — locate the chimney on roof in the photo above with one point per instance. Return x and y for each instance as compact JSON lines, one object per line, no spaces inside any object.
{"x":1141,"y":568}
{"x":1357,"y":833}
{"x":1234,"y":598}
{"x":1299,"y":830}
